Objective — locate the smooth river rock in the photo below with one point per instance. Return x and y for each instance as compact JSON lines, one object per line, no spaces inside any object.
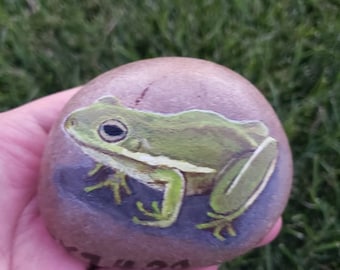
{"x":193,"y":167}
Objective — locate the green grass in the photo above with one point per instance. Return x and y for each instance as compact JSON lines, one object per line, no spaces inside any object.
{"x":288,"y":49}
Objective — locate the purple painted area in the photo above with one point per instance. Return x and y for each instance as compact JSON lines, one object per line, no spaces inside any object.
{"x":71,"y":181}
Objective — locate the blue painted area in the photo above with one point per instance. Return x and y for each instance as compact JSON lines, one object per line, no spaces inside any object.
{"x":73,"y":180}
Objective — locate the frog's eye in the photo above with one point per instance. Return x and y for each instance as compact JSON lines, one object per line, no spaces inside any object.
{"x":112,"y":131}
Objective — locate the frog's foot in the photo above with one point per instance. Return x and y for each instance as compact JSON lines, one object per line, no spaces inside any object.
{"x":219,"y":223}
{"x":116,"y":183}
{"x":160,"y":220}
{"x":96,"y":169}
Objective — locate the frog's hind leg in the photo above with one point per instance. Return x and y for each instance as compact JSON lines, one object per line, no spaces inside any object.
{"x":239,"y":187}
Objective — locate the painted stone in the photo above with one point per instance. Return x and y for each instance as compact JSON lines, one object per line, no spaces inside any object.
{"x":168,"y":163}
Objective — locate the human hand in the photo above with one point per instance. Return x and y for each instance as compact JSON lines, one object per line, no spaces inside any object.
{"x":25,"y":242}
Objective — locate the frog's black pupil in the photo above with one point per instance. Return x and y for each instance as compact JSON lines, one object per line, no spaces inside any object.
{"x":113,"y":130}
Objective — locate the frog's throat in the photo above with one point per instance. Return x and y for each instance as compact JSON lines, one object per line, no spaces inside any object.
{"x":154,"y":161}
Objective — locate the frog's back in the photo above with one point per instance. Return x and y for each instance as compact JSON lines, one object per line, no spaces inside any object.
{"x":253,"y":130}
{"x":202,"y":138}
{"x":213,"y":119}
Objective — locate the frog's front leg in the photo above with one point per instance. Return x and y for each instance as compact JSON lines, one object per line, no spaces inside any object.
{"x":166,"y":214}
{"x":115,"y":182}
{"x":239,"y":187}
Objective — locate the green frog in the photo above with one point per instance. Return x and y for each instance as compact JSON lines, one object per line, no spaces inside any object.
{"x":188,"y":153}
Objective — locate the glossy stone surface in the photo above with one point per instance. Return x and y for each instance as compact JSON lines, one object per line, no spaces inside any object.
{"x":94,"y":227}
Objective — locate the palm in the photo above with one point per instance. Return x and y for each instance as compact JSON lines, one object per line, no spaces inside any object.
{"x":25,"y":242}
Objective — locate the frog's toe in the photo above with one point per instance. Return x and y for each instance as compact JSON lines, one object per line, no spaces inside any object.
{"x":217,"y":233}
{"x":126,"y":188}
{"x":218,"y":225}
{"x":95,"y":170}
{"x":155,"y":207}
{"x":231,"y":231}
{"x":141,"y":208}
{"x":154,"y":213}
{"x":216,"y":228}
{"x":215,"y":216}
{"x":136,"y":220}
{"x":94,"y":187}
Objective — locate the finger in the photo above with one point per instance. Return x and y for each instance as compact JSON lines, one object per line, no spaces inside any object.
{"x":44,"y":111}
{"x":24,"y":133}
{"x":272,"y":233}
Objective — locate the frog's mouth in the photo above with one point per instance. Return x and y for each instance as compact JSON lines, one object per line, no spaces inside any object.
{"x":69,"y":122}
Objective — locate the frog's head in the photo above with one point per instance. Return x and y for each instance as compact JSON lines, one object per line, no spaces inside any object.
{"x":106,"y":125}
